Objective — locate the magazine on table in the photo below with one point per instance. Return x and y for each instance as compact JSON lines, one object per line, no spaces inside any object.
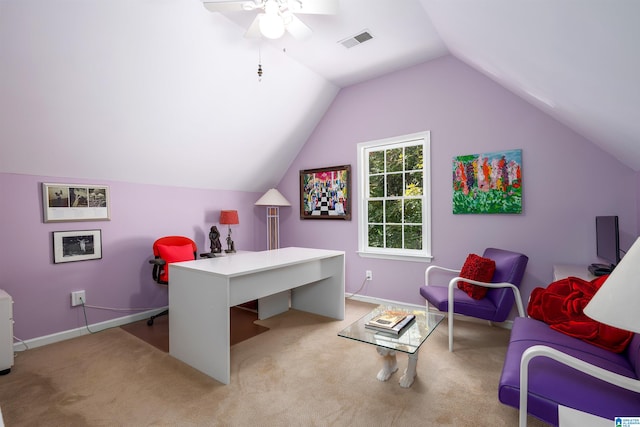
{"x":392,"y":322}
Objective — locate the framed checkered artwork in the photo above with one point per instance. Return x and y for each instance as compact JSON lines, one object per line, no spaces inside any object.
{"x":325,"y":193}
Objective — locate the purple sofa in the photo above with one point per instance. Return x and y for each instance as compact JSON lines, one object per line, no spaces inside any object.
{"x":552,"y":383}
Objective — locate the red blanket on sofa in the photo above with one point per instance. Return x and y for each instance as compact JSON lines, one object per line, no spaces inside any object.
{"x":560,"y":305}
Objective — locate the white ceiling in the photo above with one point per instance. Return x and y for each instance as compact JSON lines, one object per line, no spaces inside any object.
{"x":166,"y":92}
{"x":578,"y":60}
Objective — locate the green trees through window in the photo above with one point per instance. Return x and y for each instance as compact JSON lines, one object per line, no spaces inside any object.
{"x":395,"y":191}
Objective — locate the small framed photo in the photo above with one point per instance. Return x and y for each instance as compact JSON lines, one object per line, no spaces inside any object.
{"x":75,"y":202}
{"x":325,"y":193}
{"x":77,"y":245}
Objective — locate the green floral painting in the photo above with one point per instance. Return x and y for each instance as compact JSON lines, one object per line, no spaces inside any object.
{"x":489,"y":183}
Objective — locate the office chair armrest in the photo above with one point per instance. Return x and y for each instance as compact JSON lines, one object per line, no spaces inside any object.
{"x":516,"y":292}
{"x":437,"y":267}
{"x":157,"y":261}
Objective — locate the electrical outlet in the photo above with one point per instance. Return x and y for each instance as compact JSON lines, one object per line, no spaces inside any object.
{"x":369,"y":274}
{"x":78,"y":298}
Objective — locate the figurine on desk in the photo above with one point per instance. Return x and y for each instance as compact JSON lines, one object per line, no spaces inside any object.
{"x":216,"y":247}
{"x":231,"y":247}
{"x":214,"y":237}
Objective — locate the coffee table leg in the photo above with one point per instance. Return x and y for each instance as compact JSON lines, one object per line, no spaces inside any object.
{"x":389,"y":363}
{"x":410,"y":373}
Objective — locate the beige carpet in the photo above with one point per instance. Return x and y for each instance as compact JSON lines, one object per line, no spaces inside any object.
{"x":299,"y":373}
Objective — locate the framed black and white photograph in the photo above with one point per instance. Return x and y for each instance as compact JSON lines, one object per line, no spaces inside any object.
{"x":77,"y":245}
{"x":75,"y":202}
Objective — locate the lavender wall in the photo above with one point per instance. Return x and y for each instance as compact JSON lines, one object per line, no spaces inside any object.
{"x":567,"y":180}
{"x":122,"y":278}
{"x":638,"y":203}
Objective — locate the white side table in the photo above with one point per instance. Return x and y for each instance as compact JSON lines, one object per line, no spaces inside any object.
{"x":562,"y":271}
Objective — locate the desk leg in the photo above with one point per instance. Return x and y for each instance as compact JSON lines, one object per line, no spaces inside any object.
{"x":199,"y":322}
{"x":273,"y":304}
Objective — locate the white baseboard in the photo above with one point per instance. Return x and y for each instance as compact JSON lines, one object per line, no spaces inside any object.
{"x":378,"y":301}
{"x":78,"y":332}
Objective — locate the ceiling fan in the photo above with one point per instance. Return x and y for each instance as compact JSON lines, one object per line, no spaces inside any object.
{"x":276,"y":16}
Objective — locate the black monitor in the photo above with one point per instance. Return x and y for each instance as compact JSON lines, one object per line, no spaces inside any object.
{"x":608,"y":239}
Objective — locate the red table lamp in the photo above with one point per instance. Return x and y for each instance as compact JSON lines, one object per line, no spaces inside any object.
{"x":229,"y":218}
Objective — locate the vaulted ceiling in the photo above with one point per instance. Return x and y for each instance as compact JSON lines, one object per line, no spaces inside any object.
{"x":167,"y":91}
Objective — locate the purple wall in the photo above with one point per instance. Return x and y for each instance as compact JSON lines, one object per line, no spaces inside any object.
{"x":122,"y":278}
{"x":465,"y":112}
{"x":567,"y":180}
{"x":638,"y":203}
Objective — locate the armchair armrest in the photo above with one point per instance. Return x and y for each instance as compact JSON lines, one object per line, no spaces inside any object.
{"x":453,"y":283}
{"x":436,"y":267}
{"x":589,"y":369}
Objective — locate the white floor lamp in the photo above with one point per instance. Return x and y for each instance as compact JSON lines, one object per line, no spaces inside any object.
{"x":272,"y":199}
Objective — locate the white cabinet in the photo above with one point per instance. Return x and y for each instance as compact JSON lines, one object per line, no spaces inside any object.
{"x":6,"y":332}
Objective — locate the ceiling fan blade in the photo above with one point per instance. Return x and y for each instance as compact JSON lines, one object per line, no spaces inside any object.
{"x":320,"y":7}
{"x":253,"y":32}
{"x":297,"y":28}
{"x":230,"y":6}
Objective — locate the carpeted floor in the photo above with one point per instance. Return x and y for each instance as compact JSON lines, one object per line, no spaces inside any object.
{"x":243,"y":327}
{"x":298,"y":373}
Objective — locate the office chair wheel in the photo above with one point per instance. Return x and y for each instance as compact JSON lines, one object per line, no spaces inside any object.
{"x":150,"y":322}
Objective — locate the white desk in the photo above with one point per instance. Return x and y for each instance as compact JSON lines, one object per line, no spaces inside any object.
{"x":202,"y":291}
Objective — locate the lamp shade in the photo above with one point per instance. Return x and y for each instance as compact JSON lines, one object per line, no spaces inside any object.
{"x":616,"y":302}
{"x":229,"y":217}
{"x":272,"y":198}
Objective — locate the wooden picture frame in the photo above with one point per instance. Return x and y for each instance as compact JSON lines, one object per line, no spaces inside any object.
{"x":75,"y":202}
{"x":325,"y":193}
{"x":77,"y":245}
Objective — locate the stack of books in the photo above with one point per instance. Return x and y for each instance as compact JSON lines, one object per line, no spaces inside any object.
{"x":391,"y":322}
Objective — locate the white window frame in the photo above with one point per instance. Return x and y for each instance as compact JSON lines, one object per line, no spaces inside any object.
{"x":363,"y":191}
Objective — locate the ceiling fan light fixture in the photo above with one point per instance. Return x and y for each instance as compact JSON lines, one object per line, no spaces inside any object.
{"x":271,"y":23}
{"x":271,"y":26}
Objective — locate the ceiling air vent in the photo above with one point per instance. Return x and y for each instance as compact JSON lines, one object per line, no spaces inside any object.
{"x":357,"y":39}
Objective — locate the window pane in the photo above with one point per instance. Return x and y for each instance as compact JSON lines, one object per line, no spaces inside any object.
{"x":394,"y":185}
{"x":376,"y":161}
{"x":376,"y":238}
{"x":394,"y":160}
{"x":394,"y":236}
{"x":395,"y":205}
{"x":376,"y":186}
{"x":413,"y":237}
{"x":413,"y":158}
{"x":393,"y":213}
{"x":413,"y":211}
{"x":375,"y":209}
{"x":413,"y":182}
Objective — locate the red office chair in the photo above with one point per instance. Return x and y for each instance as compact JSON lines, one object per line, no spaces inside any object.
{"x":167,"y":250}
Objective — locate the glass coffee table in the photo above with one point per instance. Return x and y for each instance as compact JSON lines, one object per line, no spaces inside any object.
{"x":387,"y":345}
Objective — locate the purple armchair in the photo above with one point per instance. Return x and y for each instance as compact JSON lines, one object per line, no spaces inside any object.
{"x":495,"y":306}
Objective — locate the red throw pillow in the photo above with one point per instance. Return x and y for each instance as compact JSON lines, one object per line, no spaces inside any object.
{"x":174,"y":254}
{"x":480,"y":269}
